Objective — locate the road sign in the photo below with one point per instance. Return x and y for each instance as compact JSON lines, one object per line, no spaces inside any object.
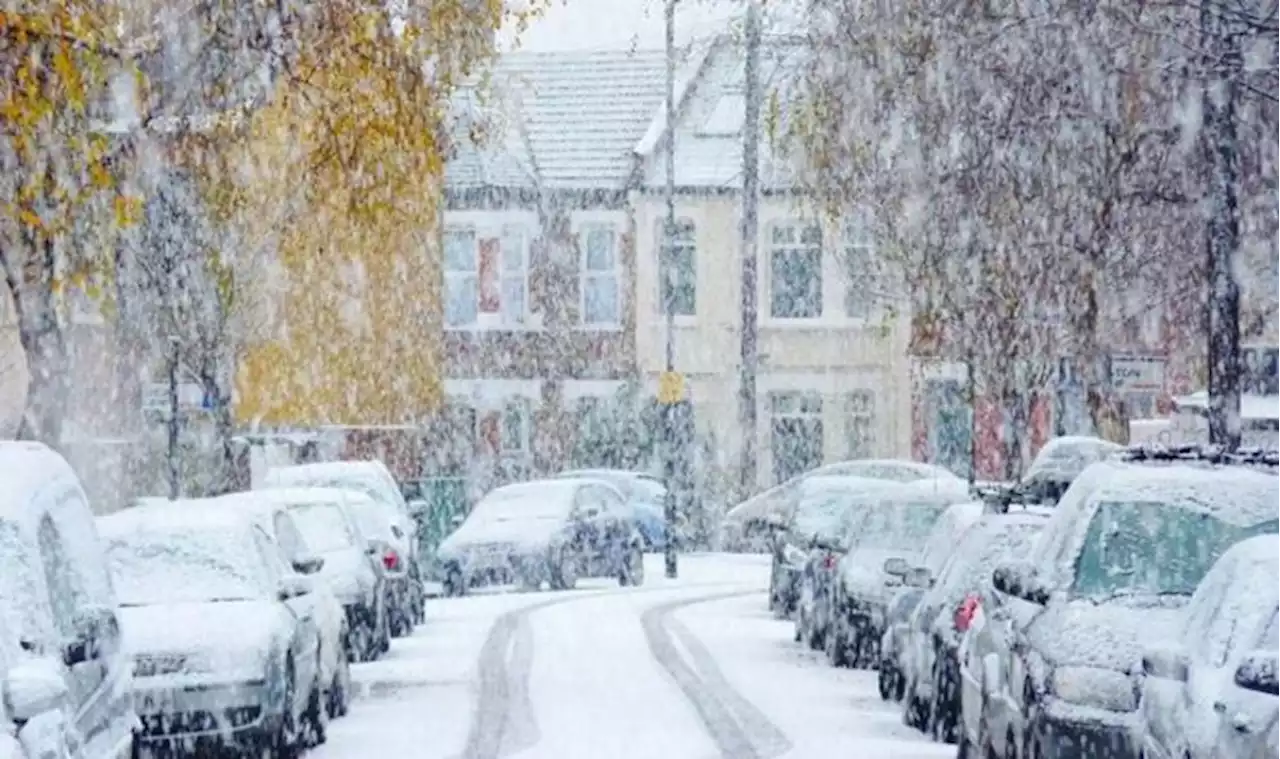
{"x":670,"y":388}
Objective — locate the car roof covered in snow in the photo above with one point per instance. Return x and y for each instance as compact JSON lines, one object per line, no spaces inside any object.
{"x":284,"y":497}
{"x":556,"y":488}
{"x":182,"y":515}
{"x":857,"y":467}
{"x":1233,"y":494}
{"x":1243,"y":589}
{"x":24,"y":468}
{"x":1069,"y":455}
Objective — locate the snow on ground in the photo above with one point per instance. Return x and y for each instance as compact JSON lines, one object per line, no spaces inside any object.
{"x":692,"y":668}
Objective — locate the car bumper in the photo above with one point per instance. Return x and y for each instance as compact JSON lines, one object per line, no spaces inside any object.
{"x":1068,"y":731}
{"x":236,"y":713}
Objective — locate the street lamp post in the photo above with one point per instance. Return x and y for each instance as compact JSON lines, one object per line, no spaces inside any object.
{"x":667,"y":268}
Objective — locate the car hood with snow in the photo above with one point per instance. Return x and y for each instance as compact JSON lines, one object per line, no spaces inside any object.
{"x":523,"y":518}
{"x":217,"y":639}
{"x":1104,"y":634}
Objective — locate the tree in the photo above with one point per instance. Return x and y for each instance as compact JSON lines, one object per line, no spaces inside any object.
{"x":60,"y":193}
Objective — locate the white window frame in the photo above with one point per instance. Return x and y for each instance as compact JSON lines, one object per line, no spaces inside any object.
{"x":796,"y":246}
{"x":503,"y":227}
{"x":692,"y":243}
{"x":860,"y":406}
{"x":581,"y":231}
{"x":856,"y":235}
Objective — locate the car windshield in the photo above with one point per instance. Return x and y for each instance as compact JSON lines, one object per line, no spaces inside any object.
{"x":152,"y":567}
{"x":821,"y":514}
{"x":371,"y":519}
{"x":1151,"y":548}
{"x":19,"y":603}
{"x":524,"y":506}
{"x":650,"y":491}
{"x":324,"y":527}
{"x":896,"y":526}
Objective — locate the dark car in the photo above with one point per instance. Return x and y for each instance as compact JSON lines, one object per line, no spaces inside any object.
{"x":552,"y":531}
{"x":645,"y":496}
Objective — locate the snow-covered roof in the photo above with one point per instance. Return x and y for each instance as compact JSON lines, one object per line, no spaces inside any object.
{"x":1232,"y":494}
{"x":558,"y":488}
{"x":566,"y":120}
{"x":285,"y":497}
{"x":1254,"y":407}
{"x":25,"y":467}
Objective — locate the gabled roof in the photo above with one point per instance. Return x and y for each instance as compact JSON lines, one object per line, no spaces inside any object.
{"x":560,"y":120}
{"x":713,"y":160}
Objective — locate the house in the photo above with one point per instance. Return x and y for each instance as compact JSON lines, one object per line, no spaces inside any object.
{"x":833,"y":376}
{"x":539,"y":255}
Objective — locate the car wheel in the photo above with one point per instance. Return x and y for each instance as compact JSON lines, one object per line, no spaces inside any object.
{"x":801,"y":631}
{"x":915,"y":712}
{"x":384,"y":631}
{"x":565,"y":573}
{"x":339,"y":701}
{"x":316,"y":719}
{"x":885,"y":681}
{"x":288,"y":739}
{"x":837,"y":646}
{"x":633,"y":568}
{"x":454,"y":584}
{"x":942,"y":716}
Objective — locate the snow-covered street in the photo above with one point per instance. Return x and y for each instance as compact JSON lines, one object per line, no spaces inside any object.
{"x":688,"y":669}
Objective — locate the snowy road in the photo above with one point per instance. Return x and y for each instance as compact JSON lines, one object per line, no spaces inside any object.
{"x":687,"y":669}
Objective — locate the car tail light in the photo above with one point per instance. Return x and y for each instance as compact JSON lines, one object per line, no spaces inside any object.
{"x":391,"y":560}
{"x":965,"y":611}
{"x":829,"y":561}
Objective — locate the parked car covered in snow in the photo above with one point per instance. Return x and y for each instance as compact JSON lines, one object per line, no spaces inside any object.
{"x":225,"y":652}
{"x":270,"y":511}
{"x":884,"y":541}
{"x":942,"y":542}
{"x":381,"y":536}
{"x":374,"y":480}
{"x":645,"y":496}
{"x":1059,"y":462}
{"x":931,"y":698}
{"x":65,"y":675}
{"x":552,"y":531}
{"x":1200,"y":698}
{"x":1058,"y":656}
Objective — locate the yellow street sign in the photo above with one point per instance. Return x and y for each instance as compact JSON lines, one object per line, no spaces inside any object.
{"x":670,"y":388}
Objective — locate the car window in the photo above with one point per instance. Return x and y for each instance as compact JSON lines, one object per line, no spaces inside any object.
{"x":1204,"y":610}
{"x":1149,"y":547}
{"x":59,"y":576}
{"x":897,"y":526}
{"x":272,"y":555}
{"x":612,"y":502}
{"x":323,"y":527}
{"x":287,"y":536}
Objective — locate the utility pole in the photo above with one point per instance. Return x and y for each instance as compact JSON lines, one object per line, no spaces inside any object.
{"x":175,"y":489}
{"x":667,"y":268}
{"x":750,"y":347}
{"x":1223,"y":65}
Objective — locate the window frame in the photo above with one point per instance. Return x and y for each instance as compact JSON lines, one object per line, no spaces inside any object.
{"x":866,"y":414}
{"x":680,"y":242}
{"x":586,"y":274}
{"x":856,"y":235}
{"x":523,"y":436}
{"x":450,"y":275}
{"x":795,"y":247}
{"x":503,"y":232}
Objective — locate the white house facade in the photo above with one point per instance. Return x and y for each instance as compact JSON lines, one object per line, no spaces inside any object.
{"x":834,"y":377}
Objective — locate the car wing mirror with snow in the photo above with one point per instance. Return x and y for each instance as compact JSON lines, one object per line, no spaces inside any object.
{"x":1166,"y":663}
{"x":294,"y":586}
{"x":1021,"y":581}
{"x":97,"y":633}
{"x":896,"y":566}
{"x":308,"y":565}
{"x":418,"y":507}
{"x":457,"y":519}
{"x":32,"y":688}
{"x":1257,"y":672}
{"x":918,"y":577}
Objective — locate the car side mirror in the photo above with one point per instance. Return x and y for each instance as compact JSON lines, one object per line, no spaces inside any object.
{"x":294,"y":586}
{"x":418,"y":507}
{"x":457,"y":519}
{"x":308,"y":565}
{"x":1166,"y":663}
{"x":1257,"y":672}
{"x":32,"y":688}
{"x":896,"y":566}
{"x":97,"y":633}
{"x":1020,"y":581}
{"x":918,"y":577}
{"x":375,"y":548}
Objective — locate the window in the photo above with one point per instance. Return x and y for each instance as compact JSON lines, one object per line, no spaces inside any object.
{"x":514,"y":433}
{"x":486,"y":278}
{"x":290,"y":542}
{"x":599,"y":275}
{"x":678,"y":275}
{"x":795,"y":253}
{"x":860,"y":424}
{"x":860,"y":281}
{"x":60,"y":581}
{"x":796,"y":433}
{"x":726,"y":117}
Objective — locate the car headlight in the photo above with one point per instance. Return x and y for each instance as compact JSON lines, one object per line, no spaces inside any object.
{"x":1091,"y":686}
{"x":794,"y":556}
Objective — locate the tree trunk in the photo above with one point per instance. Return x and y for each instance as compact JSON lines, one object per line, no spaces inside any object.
{"x":43,"y":343}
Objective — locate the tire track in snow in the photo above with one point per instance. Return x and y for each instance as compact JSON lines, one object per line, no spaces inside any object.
{"x":738,"y":728}
{"x":503,"y":721}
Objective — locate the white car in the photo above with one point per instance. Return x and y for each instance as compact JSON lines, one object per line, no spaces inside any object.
{"x":271,"y":513}
{"x":65,"y":675}
{"x":224,"y":651}
{"x":1210,"y":676}
{"x":374,"y":480}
